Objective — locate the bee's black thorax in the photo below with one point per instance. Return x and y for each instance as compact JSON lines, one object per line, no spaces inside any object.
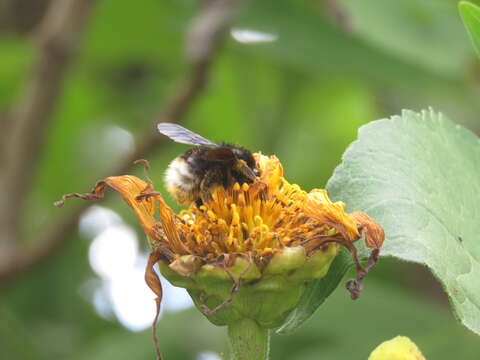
{"x":193,"y":174}
{"x":200,"y":160}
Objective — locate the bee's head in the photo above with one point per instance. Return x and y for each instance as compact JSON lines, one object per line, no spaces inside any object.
{"x":245,"y":163}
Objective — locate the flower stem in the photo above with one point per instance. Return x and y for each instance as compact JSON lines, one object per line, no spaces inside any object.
{"x":248,"y":340}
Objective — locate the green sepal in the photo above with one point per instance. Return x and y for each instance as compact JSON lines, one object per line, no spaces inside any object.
{"x":245,"y":269}
{"x":316,"y":265}
{"x":268,"y":297}
{"x":290,"y":258}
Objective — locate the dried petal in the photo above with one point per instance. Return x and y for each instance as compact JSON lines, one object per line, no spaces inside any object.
{"x":130,"y":187}
{"x":186,"y":265}
{"x":319,"y":206}
{"x":151,"y":277}
{"x":153,"y":282}
{"x":374,"y":234}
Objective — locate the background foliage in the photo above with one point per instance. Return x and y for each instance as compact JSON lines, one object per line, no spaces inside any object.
{"x":333,"y":67}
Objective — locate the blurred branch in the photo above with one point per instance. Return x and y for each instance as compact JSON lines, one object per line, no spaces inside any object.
{"x":24,"y":127}
{"x":336,"y":11}
{"x":21,"y":16}
{"x":204,"y":39}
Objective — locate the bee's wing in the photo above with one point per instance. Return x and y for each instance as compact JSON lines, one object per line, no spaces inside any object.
{"x":184,"y":136}
{"x":220,"y":153}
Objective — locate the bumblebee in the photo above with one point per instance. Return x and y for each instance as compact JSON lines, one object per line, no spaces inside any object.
{"x":193,"y":175}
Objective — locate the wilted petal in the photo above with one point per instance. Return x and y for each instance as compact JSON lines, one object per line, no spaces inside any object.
{"x":319,"y":207}
{"x":186,"y":265}
{"x":374,"y":234}
{"x":130,"y":188}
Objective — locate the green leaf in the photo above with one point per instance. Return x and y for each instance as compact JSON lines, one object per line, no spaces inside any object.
{"x":344,"y":327}
{"x":427,"y":33}
{"x":305,"y":42}
{"x":471,"y":17}
{"x":418,"y":175}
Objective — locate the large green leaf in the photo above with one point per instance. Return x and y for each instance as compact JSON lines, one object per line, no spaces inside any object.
{"x":419,"y":176}
{"x":471,"y":17}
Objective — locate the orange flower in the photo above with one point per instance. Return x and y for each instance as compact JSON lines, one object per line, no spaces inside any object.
{"x":260,"y":218}
{"x":255,"y":231}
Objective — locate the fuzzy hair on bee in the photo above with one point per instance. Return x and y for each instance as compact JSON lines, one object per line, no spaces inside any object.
{"x":192,"y":176}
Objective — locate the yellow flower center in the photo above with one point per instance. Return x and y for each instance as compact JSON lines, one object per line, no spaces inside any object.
{"x":262,"y":217}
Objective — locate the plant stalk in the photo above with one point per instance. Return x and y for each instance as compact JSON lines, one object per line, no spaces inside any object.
{"x":248,"y":340}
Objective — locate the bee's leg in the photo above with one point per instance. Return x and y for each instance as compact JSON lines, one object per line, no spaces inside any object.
{"x":213,"y":177}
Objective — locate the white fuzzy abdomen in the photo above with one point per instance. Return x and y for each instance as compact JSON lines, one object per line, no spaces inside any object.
{"x":179,"y":180}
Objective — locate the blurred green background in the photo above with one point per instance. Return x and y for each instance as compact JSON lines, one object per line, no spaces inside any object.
{"x":295,"y":79}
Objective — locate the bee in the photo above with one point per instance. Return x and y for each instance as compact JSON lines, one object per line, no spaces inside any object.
{"x":192,"y":176}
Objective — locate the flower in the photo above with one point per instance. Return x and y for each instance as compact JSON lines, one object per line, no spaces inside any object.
{"x":251,"y":244}
{"x":398,"y":348}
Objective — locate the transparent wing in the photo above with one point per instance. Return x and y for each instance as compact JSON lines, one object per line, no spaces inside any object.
{"x":184,"y":136}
